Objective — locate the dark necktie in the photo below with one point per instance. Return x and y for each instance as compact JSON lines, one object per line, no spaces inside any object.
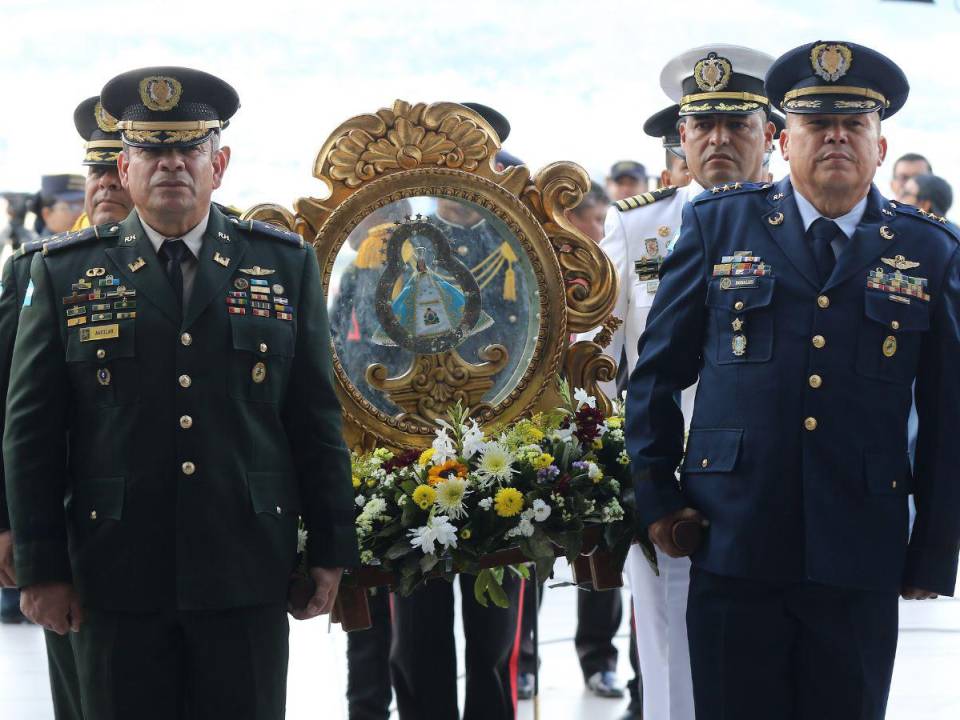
{"x":822,"y":233}
{"x":172,"y":253}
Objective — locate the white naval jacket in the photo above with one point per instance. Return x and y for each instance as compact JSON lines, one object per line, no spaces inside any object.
{"x":631,"y":228}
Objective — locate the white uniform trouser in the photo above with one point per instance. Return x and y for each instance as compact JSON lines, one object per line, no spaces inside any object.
{"x":660,"y":608}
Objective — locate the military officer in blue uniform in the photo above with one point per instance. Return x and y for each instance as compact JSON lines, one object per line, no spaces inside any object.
{"x":808,"y":310}
{"x":186,"y":357}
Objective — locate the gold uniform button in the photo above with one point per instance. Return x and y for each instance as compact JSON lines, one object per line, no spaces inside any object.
{"x":810,"y":424}
{"x":185,"y":381}
{"x":815,"y":381}
{"x":818,"y":341}
{"x":263,"y":347}
{"x":101,"y":353}
{"x":186,"y":339}
{"x":823,"y":301}
{"x":188,"y":468}
{"x":894,"y":325}
{"x":705,"y":463}
{"x":93,"y":514}
{"x":738,"y":305}
{"x":186,"y":422}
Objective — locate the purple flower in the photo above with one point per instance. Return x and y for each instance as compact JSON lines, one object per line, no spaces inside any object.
{"x":548,"y":473}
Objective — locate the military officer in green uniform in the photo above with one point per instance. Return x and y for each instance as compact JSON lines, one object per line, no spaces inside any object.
{"x":186,"y":357}
{"x":104,"y":201}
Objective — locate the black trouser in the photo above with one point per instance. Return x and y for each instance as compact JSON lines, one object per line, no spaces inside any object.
{"x":64,"y":681}
{"x":790,"y":651}
{"x":598,"y":618}
{"x":368,"y":663}
{"x":423,"y":659}
{"x":184,"y":665}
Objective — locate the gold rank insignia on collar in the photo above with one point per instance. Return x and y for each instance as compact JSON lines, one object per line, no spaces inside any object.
{"x":900,"y":263}
{"x":137,"y":264}
{"x":221,"y":260}
{"x":257,"y":271}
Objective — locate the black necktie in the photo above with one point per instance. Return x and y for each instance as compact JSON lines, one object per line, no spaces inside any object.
{"x":822,"y":233}
{"x":172,"y":253}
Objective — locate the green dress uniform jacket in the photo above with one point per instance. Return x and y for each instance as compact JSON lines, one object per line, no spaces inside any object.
{"x":193,"y":439}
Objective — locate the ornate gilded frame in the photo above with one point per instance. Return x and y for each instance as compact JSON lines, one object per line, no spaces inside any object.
{"x":447,"y":150}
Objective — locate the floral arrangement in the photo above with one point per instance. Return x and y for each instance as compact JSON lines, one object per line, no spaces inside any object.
{"x":533,"y":485}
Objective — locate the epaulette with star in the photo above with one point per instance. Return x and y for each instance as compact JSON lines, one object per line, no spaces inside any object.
{"x":268,"y":229}
{"x":728,"y":189}
{"x":932,"y":218}
{"x":632,"y":203}
{"x":62,"y":241}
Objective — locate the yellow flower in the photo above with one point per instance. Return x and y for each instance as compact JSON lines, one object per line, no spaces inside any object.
{"x":424,"y":496}
{"x":614,"y":422}
{"x":371,"y":481}
{"x":465,"y":534}
{"x":439,"y":473}
{"x":425,"y":456}
{"x":542,"y":461}
{"x":597,"y":443}
{"x":356,"y":481}
{"x":508,"y":502}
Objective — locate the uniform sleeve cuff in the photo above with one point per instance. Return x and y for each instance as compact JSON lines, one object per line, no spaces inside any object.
{"x":42,"y":562}
{"x":658,"y":494}
{"x":931,"y":568}
{"x":333,"y":547}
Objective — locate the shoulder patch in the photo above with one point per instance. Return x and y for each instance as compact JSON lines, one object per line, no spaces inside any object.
{"x":65,"y":240}
{"x":631,"y":203}
{"x":938,"y":220}
{"x":268,"y":229}
{"x":728,"y":189}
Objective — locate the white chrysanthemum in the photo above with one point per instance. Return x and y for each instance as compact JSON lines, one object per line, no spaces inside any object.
{"x":580,"y":395}
{"x":593,"y":471}
{"x":541,"y":510}
{"x":612,"y":511}
{"x":472,"y":439}
{"x":375,"y":508}
{"x":450,"y":495}
{"x":360,"y":500}
{"x":438,"y":530}
{"x":443,"y":447}
{"x":486,"y":503}
{"x":496,"y":463}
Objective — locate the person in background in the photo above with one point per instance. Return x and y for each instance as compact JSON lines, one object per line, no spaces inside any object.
{"x":906,"y":167}
{"x":930,"y":193}
{"x":665,"y":125}
{"x":58,"y":204}
{"x":588,"y":216}
{"x":626,"y":178}
{"x":105,"y":200}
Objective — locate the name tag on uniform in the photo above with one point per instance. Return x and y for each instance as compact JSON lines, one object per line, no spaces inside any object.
{"x":652,"y":286}
{"x":738,"y":283}
{"x":101,"y":332}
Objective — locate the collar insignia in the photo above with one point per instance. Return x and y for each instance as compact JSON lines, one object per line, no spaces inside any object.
{"x":831,"y":61}
{"x":221,"y":260}
{"x":137,"y":264}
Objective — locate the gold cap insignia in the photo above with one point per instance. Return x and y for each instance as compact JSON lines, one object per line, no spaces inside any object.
{"x":712,"y":73}
{"x":900,"y":263}
{"x":105,"y":121}
{"x":159,"y":92}
{"x":831,"y":62}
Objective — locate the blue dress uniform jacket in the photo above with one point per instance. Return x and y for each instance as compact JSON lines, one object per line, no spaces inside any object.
{"x":193,"y":441}
{"x":797,"y":452}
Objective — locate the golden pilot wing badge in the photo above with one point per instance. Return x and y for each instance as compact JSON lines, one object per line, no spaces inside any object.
{"x":257,"y":271}
{"x":900,"y":263}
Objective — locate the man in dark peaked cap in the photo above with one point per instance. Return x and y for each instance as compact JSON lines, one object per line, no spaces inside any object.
{"x":814,"y":311}
{"x":186,"y":356}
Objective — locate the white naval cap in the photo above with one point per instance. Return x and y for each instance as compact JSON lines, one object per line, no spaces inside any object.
{"x":717,"y":79}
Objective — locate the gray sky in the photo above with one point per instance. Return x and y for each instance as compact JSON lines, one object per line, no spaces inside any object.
{"x":576,"y":79}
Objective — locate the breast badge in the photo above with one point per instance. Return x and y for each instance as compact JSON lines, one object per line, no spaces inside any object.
{"x":889,"y":346}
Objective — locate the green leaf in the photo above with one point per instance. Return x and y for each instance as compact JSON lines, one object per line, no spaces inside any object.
{"x":521,"y":570}
{"x":428,"y":562}
{"x":480,"y":587}
{"x":398,"y":550}
{"x":497,"y":593}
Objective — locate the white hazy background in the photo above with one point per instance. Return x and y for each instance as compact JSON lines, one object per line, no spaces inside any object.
{"x":575,"y":79}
